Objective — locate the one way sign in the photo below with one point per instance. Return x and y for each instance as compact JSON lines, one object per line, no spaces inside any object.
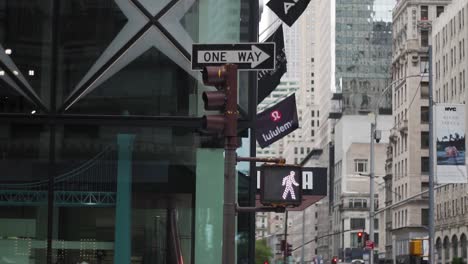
{"x":247,"y":56}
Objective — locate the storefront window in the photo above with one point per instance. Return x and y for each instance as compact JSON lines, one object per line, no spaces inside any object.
{"x":24,"y":151}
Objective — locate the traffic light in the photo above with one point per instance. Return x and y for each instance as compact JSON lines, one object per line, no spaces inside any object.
{"x":362,"y":237}
{"x":288,"y":250}
{"x":283,"y":245}
{"x":334,"y":260}
{"x":281,"y":185}
{"x":365,"y":237}
{"x":359,"y":237}
{"x":224,"y":78}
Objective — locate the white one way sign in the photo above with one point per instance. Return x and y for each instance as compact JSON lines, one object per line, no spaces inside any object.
{"x":248,"y":56}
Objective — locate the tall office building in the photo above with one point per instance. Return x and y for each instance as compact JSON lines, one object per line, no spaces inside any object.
{"x":353,"y":70}
{"x":450,"y":64}
{"x":412,"y":21}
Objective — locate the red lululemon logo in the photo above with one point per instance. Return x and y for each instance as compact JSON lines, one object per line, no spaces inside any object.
{"x":275,"y":116}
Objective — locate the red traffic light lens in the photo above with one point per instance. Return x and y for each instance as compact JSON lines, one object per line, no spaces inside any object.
{"x":359,"y":234}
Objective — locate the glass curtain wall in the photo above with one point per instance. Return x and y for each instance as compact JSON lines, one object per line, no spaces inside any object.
{"x":102,"y":160}
{"x":363,"y":54}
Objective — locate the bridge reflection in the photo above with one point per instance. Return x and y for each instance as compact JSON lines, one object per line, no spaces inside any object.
{"x":93,"y":184}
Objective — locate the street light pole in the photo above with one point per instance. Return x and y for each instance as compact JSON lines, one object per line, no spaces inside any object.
{"x":371,"y":191}
{"x":373,"y":137}
{"x":431,"y":166}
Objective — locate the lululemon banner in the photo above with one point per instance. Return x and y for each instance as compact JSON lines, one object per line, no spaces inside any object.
{"x":449,"y":142}
{"x":288,"y":10}
{"x":277,"y":122}
{"x":269,"y":79}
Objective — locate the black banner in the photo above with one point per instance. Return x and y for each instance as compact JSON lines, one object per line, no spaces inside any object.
{"x":288,"y":10}
{"x":277,"y":122}
{"x":269,"y":79}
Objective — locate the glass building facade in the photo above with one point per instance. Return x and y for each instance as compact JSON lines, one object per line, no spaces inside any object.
{"x":102,"y":159}
{"x":363,"y":53}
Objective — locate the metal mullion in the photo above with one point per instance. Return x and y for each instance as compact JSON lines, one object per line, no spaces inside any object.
{"x":52,"y":128}
{"x":252,"y":101}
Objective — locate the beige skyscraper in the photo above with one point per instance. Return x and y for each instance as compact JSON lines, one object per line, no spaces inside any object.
{"x":412,"y":20}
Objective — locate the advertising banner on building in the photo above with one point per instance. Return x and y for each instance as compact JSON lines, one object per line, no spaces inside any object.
{"x":288,"y":10}
{"x":449,"y":137}
{"x":269,"y":79}
{"x":276,"y":122}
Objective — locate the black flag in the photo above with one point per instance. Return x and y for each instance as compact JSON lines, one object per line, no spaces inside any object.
{"x":268,"y":80}
{"x":288,"y":10}
{"x":277,"y":122}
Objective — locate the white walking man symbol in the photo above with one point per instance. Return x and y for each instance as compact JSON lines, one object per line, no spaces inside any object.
{"x":289,"y":181}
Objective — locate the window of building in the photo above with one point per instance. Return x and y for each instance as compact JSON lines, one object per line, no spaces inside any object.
{"x":424,"y":114}
{"x":302,"y":150}
{"x":425,"y":217}
{"x":424,"y":140}
{"x":424,"y":38}
{"x":312,"y":133}
{"x":295,"y":150}
{"x":424,"y":12}
{"x":424,"y":164}
{"x":439,"y":10}
{"x":358,"y":203}
{"x":312,"y":113}
{"x":376,"y":224}
{"x":360,"y":165}
{"x":424,"y":90}
{"x":354,"y":240}
{"x":424,"y":65}
{"x":358,"y":223}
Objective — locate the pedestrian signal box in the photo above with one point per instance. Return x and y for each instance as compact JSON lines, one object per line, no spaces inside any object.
{"x":281,"y":185}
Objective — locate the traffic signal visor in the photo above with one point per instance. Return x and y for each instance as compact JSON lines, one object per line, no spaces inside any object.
{"x":214,"y":75}
{"x":214,"y":100}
